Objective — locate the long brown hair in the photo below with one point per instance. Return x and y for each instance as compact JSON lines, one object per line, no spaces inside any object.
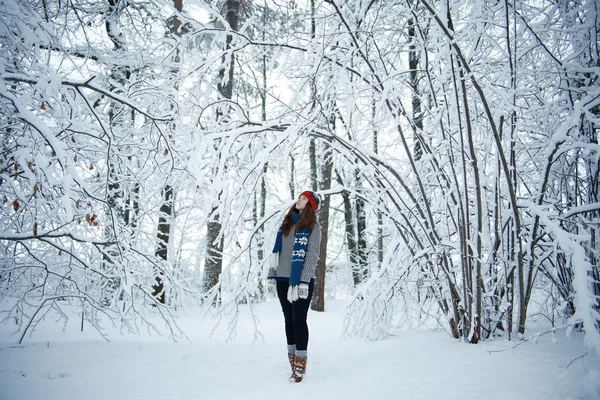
{"x":308,"y":219}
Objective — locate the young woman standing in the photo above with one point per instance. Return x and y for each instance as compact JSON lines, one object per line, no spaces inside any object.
{"x":292,"y":275}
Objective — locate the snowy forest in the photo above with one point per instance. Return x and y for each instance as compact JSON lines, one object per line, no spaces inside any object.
{"x":150,"y":149}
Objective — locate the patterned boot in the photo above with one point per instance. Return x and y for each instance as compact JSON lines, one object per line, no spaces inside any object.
{"x":292,"y":359}
{"x":299,"y":368}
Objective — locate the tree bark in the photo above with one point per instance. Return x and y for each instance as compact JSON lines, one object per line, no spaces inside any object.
{"x":350,"y":235}
{"x":213,"y":264}
{"x":318,"y":300}
{"x":413,"y":66}
{"x":163,"y":236}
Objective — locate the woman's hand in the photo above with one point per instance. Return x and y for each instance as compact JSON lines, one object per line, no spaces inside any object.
{"x":298,"y":291}
{"x":303,"y":290}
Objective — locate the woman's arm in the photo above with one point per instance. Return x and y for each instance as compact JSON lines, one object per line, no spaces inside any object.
{"x":312,"y":255}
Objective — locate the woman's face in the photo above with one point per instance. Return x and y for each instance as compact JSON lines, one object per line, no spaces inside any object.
{"x":301,"y":203}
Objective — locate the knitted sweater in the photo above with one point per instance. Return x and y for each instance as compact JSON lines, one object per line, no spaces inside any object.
{"x":284,"y":268}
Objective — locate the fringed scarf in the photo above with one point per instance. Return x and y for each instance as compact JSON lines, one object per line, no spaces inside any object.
{"x":298,"y":252}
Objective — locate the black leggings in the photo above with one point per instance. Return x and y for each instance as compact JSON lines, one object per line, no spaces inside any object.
{"x":296,"y":329}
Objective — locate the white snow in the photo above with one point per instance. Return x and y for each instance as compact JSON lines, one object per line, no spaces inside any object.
{"x":418,"y":365}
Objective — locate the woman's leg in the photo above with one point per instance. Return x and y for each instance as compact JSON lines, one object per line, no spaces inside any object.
{"x":299,"y":310}
{"x":286,"y":307}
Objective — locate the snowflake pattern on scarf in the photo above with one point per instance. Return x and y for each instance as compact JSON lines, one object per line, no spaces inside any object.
{"x":298,"y":252}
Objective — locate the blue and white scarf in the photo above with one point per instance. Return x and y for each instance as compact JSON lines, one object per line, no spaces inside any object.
{"x":298,"y":252}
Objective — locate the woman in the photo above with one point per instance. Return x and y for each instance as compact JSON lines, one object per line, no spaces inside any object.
{"x":292,"y":275}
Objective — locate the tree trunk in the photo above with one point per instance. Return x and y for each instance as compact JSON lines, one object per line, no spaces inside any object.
{"x":379,"y":213}
{"x":115,"y":190}
{"x":263,"y":112}
{"x":318,"y":301}
{"x":350,"y":235}
{"x":291,"y":183}
{"x":361,"y":231}
{"x":413,"y":66}
{"x":312,"y":147}
{"x":213,"y":264}
{"x":166,"y":209}
{"x":163,"y":236}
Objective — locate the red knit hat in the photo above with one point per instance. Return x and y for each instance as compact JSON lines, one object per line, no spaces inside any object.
{"x":312,"y":198}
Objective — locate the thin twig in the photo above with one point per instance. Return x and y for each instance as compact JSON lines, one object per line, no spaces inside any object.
{"x":575,"y":359}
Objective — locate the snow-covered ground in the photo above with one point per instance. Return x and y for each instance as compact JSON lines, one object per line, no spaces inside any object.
{"x":414,"y":365}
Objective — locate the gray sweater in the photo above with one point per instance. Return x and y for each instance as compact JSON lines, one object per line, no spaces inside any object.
{"x":284,"y":268}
